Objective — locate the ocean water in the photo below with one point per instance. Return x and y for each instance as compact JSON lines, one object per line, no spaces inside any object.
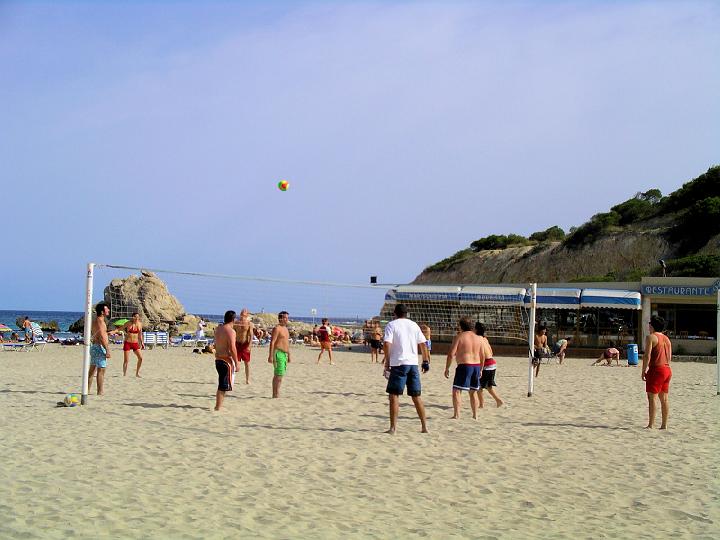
{"x":66,"y":318}
{"x":63,"y":318}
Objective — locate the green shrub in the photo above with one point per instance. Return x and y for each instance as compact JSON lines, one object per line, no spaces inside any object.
{"x":642,"y":206}
{"x":610,"y":276}
{"x":704,"y":186}
{"x":592,"y":230}
{"x":697,"y":225}
{"x":499,"y":241}
{"x":451,"y":261}
{"x":552,"y":234}
{"x":695,"y":266}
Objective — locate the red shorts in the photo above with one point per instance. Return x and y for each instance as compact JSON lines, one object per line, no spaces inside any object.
{"x":657,"y":380}
{"x":243,"y":351}
{"x":127,"y":346}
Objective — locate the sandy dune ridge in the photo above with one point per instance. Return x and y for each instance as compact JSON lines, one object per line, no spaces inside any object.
{"x":151,"y":460}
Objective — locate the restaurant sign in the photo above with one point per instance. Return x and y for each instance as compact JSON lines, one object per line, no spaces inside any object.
{"x":681,"y":290}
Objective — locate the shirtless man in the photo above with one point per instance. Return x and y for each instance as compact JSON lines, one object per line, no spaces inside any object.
{"x":99,"y":348}
{"x":27,"y":328}
{"x":468,"y":351}
{"x":226,"y":362}
{"x":541,"y":347}
{"x":656,"y":370}
{"x":279,"y":355}
{"x":375,"y":340}
{"x":325,"y":338}
{"x":487,"y":378}
{"x":243,"y":340}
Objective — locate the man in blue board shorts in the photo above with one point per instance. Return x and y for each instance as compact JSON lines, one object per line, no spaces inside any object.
{"x":401,"y":340}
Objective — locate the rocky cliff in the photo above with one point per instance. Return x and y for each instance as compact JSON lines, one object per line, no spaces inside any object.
{"x":624,"y":255}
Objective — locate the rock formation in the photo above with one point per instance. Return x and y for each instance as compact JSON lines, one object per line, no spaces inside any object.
{"x":555,"y":263}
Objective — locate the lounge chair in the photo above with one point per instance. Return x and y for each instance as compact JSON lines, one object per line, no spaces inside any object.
{"x":162,"y":339}
{"x":149,"y":340}
{"x":18,"y":347}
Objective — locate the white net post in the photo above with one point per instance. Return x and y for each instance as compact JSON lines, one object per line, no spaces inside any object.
{"x":531,"y":338}
{"x":87,"y":329}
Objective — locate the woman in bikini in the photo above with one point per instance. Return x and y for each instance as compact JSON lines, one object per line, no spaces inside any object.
{"x":133,"y":342}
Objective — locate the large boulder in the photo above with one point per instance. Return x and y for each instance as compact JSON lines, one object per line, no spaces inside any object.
{"x":147,"y":295}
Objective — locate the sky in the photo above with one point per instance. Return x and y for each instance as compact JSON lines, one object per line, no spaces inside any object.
{"x":153,"y":134}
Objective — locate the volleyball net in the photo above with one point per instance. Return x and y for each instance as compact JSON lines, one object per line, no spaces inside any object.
{"x":174,"y":301}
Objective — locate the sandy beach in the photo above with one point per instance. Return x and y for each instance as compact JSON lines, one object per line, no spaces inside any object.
{"x":150,"y":459}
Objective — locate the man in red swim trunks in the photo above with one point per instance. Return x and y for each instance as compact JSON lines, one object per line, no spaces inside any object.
{"x":244,"y":331}
{"x":656,"y":370}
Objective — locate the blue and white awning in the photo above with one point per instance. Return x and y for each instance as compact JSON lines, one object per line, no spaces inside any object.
{"x":437,"y":293}
{"x":506,"y":296}
{"x":556,"y":298}
{"x":609,"y":298}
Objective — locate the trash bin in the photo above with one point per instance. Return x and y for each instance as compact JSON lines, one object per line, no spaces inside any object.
{"x":632,"y":354}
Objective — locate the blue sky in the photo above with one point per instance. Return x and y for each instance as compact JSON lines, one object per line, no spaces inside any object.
{"x":154,"y":133}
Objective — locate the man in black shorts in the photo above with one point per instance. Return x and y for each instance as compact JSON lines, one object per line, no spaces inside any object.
{"x":487,"y":379}
{"x":226,"y":362}
{"x":375,"y":339}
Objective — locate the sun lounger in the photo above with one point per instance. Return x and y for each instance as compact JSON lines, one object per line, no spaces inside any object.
{"x":162,"y":339}
{"x":18,"y":347}
{"x":149,"y":339}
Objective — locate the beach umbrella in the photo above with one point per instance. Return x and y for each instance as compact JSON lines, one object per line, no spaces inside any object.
{"x":4,"y":328}
{"x":121,"y":322}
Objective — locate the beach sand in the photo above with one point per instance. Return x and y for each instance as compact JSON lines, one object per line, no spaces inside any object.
{"x":150,"y":459}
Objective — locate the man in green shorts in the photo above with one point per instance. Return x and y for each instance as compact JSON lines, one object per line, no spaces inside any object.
{"x":279,"y":351}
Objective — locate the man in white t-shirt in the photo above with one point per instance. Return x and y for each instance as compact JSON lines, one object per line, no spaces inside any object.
{"x":401,"y":341}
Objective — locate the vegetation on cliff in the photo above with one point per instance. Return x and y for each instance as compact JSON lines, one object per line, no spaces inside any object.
{"x":687,"y":220}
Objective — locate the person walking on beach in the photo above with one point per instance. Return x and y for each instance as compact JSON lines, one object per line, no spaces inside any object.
{"x":656,"y":370}
{"x":468,"y":351}
{"x":244,"y":330}
{"x":489,"y":368}
{"x":226,"y":362}
{"x":200,"y":332}
{"x":401,"y":341}
{"x":375,"y":340}
{"x":133,"y":342}
{"x":325,"y":337}
{"x":99,"y":348}
{"x":279,"y":355}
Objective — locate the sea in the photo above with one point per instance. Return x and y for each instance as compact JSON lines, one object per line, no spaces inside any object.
{"x":66,"y":318}
{"x":63,"y":318}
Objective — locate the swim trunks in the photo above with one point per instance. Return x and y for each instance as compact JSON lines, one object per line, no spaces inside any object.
{"x":375,"y":343}
{"x":280,"y":363}
{"x":127,"y":346}
{"x":487,"y":379}
{"x":402,"y":376}
{"x":657,"y":380}
{"x":97,"y":355}
{"x":610,"y":352}
{"x":225,"y":370}
{"x":243,"y":351}
{"x":467,"y":377}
